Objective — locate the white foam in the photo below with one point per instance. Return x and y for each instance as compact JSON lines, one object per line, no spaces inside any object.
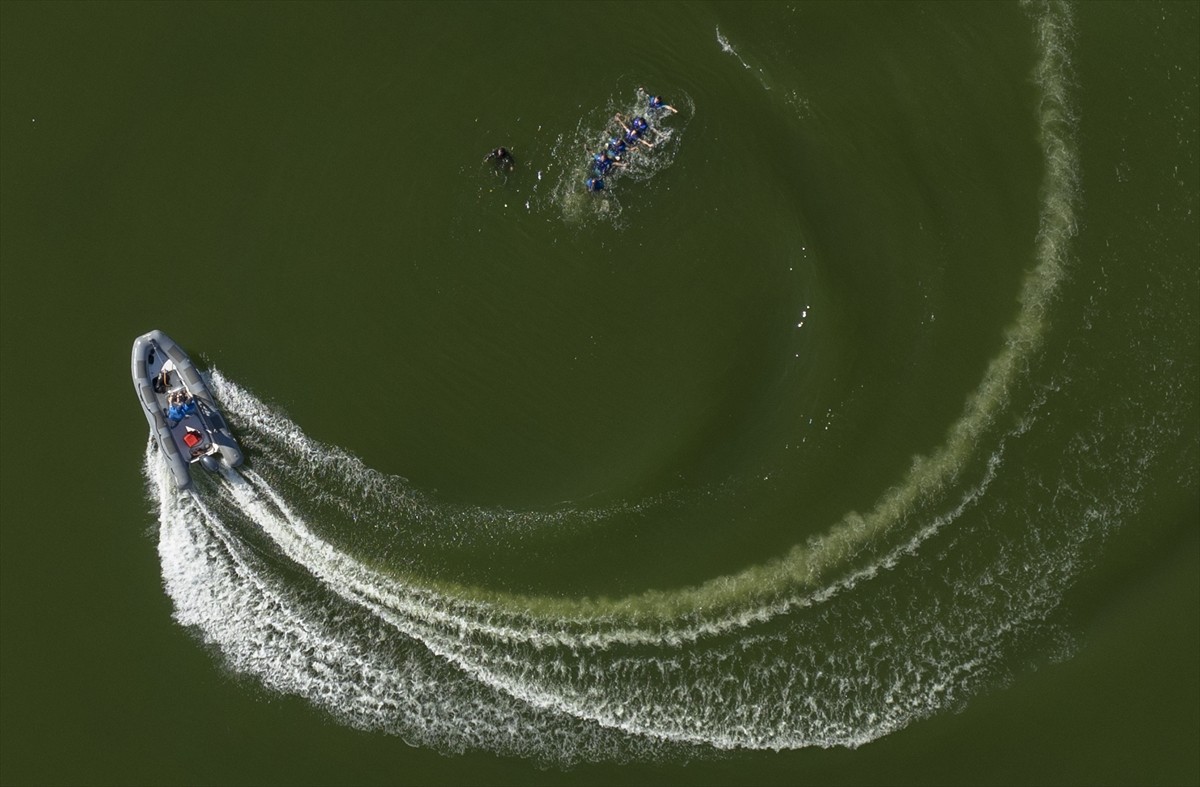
{"x":726,"y":47}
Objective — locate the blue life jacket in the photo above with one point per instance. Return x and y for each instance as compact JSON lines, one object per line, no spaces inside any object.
{"x":639,"y":123}
{"x":594,"y":184}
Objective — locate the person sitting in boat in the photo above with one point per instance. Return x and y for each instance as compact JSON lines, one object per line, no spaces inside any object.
{"x":181,"y":406}
{"x":162,"y":382}
{"x":501,"y":159}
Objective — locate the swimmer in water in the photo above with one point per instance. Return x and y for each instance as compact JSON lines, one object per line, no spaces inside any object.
{"x":603,"y":162}
{"x":616,"y":146}
{"x":501,"y":159}
{"x":593,"y":184}
{"x":636,"y":130}
{"x":656,"y":103}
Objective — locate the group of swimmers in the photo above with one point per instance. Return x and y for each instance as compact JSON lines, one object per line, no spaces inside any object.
{"x":633,"y":135}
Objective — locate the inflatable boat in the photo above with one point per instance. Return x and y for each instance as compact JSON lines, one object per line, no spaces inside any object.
{"x":183,"y":416}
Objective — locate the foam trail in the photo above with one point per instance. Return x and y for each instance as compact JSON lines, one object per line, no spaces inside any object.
{"x":794,"y":680}
{"x":440,"y":624}
{"x":581,"y":623}
{"x":813,"y":649}
{"x":302,"y":642}
{"x":728,"y":49}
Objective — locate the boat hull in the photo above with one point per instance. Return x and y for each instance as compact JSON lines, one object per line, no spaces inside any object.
{"x":163,"y":372}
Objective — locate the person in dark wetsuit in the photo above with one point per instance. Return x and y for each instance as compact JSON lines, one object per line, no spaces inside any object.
{"x":162,"y":382}
{"x":593,"y":184}
{"x":501,"y":159}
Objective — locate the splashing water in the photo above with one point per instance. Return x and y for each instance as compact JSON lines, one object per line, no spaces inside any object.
{"x":727,"y":48}
{"x":568,"y":195}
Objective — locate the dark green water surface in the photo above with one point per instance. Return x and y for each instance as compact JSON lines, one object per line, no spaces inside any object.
{"x":852,"y":435}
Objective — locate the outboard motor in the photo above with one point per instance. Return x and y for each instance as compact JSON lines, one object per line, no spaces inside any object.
{"x":210,"y":463}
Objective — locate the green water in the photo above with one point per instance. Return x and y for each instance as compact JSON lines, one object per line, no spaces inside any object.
{"x":850,"y":437}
